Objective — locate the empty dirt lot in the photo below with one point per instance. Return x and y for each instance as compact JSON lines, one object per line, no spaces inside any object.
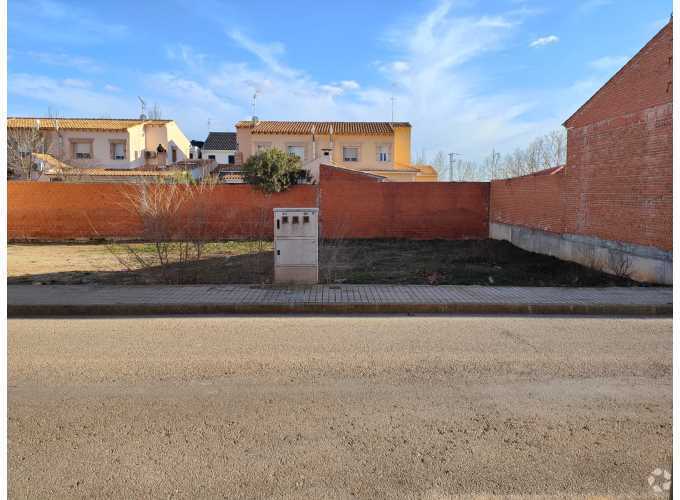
{"x":434,"y":262}
{"x":314,"y":407}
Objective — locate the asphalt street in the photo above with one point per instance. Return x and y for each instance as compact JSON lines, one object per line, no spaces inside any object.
{"x":369,"y":407}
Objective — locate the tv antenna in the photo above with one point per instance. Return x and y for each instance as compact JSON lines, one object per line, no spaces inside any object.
{"x":257,"y":92}
{"x":143,"y":103}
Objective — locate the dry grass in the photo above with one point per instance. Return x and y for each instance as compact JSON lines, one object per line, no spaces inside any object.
{"x":469,"y":262}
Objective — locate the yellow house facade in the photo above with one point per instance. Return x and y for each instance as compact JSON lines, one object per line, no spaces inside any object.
{"x":107,"y":143}
{"x":378,"y":148}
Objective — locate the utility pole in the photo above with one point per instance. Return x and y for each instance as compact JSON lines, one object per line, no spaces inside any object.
{"x":451,"y":155}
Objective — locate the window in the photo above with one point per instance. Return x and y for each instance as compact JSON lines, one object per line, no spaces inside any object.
{"x":174,"y":155}
{"x":231,"y":159}
{"x":211,"y":157}
{"x":350,"y":153}
{"x":298,"y":151}
{"x":118,"y":150}
{"x":262,"y":146}
{"x":82,"y":150}
{"x":383,"y":152}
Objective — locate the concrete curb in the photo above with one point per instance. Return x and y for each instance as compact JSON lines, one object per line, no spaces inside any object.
{"x":50,"y":310}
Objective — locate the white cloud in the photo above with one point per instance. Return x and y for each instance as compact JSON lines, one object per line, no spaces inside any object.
{"x":443,"y":98}
{"x":69,"y":100}
{"x":65,"y":60}
{"x":544,"y":40}
{"x":268,"y":53}
{"x":111,"y":88}
{"x":590,"y":5}
{"x":608,"y":63}
{"x":75,"y":82}
{"x":350,"y":85}
{"x":185,"y":54}
{"x":395,"y":67}
{"x":432,"y":88}
{"x":59,"y":22}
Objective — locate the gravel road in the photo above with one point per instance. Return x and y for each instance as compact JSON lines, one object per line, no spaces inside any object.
{"x":369,"y":407}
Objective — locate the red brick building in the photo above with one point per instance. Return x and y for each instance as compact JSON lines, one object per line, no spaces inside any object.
{"x":612,"y":205}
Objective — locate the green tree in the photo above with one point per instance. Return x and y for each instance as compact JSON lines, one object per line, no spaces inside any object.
{"x":273,"y":171}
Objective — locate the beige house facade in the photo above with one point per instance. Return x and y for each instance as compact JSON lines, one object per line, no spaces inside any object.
{"x":108,"y":143}
{"x":378,"y":148}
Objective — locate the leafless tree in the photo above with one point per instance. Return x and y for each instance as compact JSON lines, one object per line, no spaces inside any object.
{"x":490,"y":165}
{"x":543,"y":152}
{"x":439,"y":163}
{"x":155,"y":112}
{"x":21,"y":144}
{"x":421,"y":159}
{"x":464,"y":170}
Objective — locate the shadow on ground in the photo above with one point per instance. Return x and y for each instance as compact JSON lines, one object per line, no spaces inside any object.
{"x":435,"y":262}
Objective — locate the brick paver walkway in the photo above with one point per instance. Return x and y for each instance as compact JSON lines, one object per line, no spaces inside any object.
{"x":236,"y":298}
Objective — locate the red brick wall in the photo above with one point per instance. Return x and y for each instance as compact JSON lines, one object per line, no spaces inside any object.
{"x":532,"y":201}
{"x":358,"y":206}
{"x":352,"y":206}
{"x":56,"y":211}
{"x":620,"y":178}
{"x":617,"y":184}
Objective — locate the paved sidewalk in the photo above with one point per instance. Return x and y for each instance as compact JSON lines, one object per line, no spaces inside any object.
{"x":56,"y":300}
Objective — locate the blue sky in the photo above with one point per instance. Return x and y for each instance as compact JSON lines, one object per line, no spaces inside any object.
{"x":469,"y":75}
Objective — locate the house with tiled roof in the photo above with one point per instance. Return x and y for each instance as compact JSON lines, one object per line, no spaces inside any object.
{"x":378,"y":148}
{"x":221,"y":147}
{"x":106,"y":143}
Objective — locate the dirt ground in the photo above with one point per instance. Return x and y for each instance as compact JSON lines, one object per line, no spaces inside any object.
{"x":437,"y":262}
{"x":353,"y":407}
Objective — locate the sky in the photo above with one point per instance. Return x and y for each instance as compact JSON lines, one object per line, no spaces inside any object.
{"x":470,"y":76}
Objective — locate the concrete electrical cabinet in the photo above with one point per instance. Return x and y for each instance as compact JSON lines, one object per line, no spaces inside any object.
{"x":296,"y":245}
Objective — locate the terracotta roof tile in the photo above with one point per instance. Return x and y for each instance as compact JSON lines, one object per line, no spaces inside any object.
{"x":80,"y":123}
{"x":322,"y":128}
{"x":427,"y":170}
{"x":111,"y":172}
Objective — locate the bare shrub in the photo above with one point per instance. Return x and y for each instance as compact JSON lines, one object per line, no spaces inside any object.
{"x":332,"y":249}
{"x":176,"y":222}
{"x":620,"y":264}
